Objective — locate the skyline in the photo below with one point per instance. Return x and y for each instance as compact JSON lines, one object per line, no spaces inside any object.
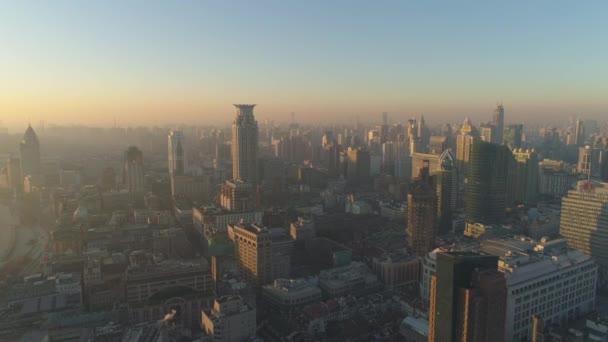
{"x":162,"y":63}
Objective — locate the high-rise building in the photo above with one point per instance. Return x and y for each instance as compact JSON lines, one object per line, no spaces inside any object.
{"x":584,"y":221}
{"x":468,"y":135}
{"x":536,"y":285}
{"x":499,"y":122}
{"x":513,"y":135}
{"x":421,"y":215}
{"x":593,"y":162}
{"x":133,"y":170}
{"x":236,"y":196}
{"x":245,"y":144}
{"x":579,"y":133}
{"x":230,"y":319}
{"x":176,"y":153}
{"x":487,"y":132}
{"x":13,"y":167}
{"x":523,"y":186}
{"x":468,"y":297}
{"x":359,"y":164}
{"x":253,"y":252}
{"x":29,"y":153}
{"x":487,"y":183}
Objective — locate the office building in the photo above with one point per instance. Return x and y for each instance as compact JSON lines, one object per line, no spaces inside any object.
{"x":498,"y":121}
{"x":253,"y":253}
{"x":487,"y":183}
{"x":584,"y":221}
{"x":542,"y":278}
{"x":487,"y":132}
{"x":593,"y":161}
{"x":236,"y":196}
{"x":421,"y":215}
{"x":554,"y":179}
{"x":523,"y":185}
{"x":133,"y":170}
{"x":176,"y":153}
{"x":230,"y":320}
{"x":29,"y":154}
{"x":244,"y":144}
{"x":467,"y":299}
{"x":13,"y":168}
{"x":358,"y":164}
{"x":513,"y":136}
{"x":464,"y":142}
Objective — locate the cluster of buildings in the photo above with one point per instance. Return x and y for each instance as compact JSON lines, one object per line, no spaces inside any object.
{"x":293,"y":233}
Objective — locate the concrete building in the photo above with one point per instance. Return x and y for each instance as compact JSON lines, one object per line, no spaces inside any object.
{"x":230,"y":320}
{"x":289,"y":294}
{"x":524,"y":184}
{"x":303,"y":229}
{"x":513,"y":136}
{"x":253,"y":253}
{"x":358,"y":164}
{"x":467,"y":299}
{"x":244,"y":144}
{"x":133,"y":170}
{"x":554,"y":182}
{"x":464,"y":142}
{"x":421,"y":215}
{"x":154,"y":288}
{"x":584,"y":221}
{"x":354,"y":279}
{"x":237,"y":196}
{"x":545,"y":279}
{"x":397,"y":271}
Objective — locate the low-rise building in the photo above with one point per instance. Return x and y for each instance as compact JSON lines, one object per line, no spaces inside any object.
{"x":288,"y":294}
{"x":354,"y":279}
{"x":229,"y":320}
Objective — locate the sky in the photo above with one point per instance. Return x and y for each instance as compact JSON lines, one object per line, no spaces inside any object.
{"x":150,"y":62}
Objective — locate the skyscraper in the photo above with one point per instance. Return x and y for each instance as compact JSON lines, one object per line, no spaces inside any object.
{"x":421,"y":214}
{"x":579,"y":133}
{"x":133,"y":171}
{"x":358,"y":164}
{"x":499,"y":122}
{"x":253,"y":252}
{"x":29,"y":152}
{"x":584,"y":220}
{"x":244,"y":144}
{"x":176,"y":153}
{"x":523,"y":186}
{"x":468,"y":299}
{"x":464,"y":141}
{"x":513,"y":135}
{"x":487,"y":183}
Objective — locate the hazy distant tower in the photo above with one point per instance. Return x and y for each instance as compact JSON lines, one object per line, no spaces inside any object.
{"x":133,"y":172}
{"x":244,"y":144}
{"x":499,"y":123}
{"x":579,"y":133}
{"x":29,"y":151}
{"x":177,"y":153}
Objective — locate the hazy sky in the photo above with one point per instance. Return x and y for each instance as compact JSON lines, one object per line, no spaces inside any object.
{"x":180,"y":61}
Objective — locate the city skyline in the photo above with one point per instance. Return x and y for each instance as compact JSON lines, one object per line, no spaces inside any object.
{"x":90,"y":63}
